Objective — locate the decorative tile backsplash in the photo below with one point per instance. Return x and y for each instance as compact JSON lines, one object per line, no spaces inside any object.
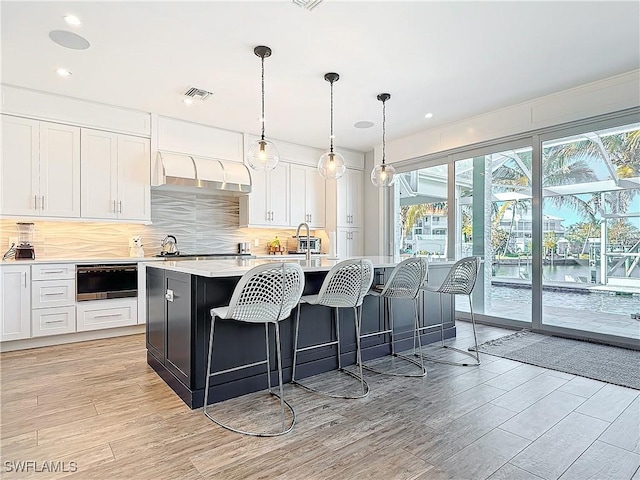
{"x":201,"y":224}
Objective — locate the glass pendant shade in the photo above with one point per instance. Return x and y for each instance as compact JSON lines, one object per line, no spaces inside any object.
{"x":383,"y":175}
{"x":331,"y":165}
{"x":263,"y":155}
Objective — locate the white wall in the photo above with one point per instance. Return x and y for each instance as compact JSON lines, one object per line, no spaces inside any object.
{"x":597,"y":98}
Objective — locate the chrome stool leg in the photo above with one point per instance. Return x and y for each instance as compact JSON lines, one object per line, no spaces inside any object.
{"x":389,"y":316}
{"x":475,"y":356}
{"x":363,"y":383}
{"x":283,"y":403}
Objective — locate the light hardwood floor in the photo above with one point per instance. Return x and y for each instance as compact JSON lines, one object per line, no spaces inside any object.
{"x":99,"y":405}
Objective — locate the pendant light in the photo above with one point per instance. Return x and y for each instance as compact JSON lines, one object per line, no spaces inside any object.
{"x":383,"y":175}
{"x":331,"y":164}
{"x":263,"y":154}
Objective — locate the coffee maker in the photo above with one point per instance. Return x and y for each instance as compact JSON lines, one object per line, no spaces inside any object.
{"x":24,"y":249}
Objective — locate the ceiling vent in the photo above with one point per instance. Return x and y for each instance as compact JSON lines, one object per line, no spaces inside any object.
{"x":307,"y":4}
{"x":193,"y":92}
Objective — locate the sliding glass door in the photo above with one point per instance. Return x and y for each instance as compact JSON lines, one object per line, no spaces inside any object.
{"x":493,"y":221}
{"x":591,"y":242}
{"x":555,"y":218}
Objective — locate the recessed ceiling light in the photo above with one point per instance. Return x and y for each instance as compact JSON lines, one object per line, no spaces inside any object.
{"x":63,"y":72}
{"x":363,"y":124}
{"x":188,"y":101}
{"x":72,"y":20}
{"x":428,"y":115}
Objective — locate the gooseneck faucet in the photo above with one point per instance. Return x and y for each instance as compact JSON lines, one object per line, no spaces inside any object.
{"x":306,"y":225}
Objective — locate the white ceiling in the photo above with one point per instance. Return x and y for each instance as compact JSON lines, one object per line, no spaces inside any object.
{"x":455,"y":59}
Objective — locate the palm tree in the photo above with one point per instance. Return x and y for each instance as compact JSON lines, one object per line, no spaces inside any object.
{"x":410,"y":214}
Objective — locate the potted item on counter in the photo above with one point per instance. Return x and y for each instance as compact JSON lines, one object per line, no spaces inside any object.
{"x":275,"y":247}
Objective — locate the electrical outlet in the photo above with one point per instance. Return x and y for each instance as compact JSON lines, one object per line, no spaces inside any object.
{"x":256,"y":242}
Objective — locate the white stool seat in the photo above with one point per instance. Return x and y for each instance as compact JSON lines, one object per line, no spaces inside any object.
{"x":265,"y":294}
{"x":310,"y":299}
{"x":404,"y":283}
{"x":344,"y":286}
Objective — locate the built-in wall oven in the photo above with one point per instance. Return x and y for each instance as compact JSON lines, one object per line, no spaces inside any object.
{"x":104,"y":281}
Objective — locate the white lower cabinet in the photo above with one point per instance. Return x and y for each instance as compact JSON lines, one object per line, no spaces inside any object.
{"x":53,"y":293}
{"x":349,"y":242}
{"x":53,"y":299}
{"x":53,"y":321}
{"x":15,"y":302}
{"x":99,"y":314}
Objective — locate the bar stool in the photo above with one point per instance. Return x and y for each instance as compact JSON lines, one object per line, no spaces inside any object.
{"x":265,"y":294}
{"x":460,"y":280}
{"x":404,"y":282}
{"x":345,"y":285}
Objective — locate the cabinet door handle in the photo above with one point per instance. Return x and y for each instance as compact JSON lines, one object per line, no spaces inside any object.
{"x":47,"y":272}
{"x":114,"y":207}
{"x":42,"y":203}
{"x":108,"y":315}
{"x":53,"y":321}
{"x":120,"y":206}
{"x":24,"y":279}
{"x":53,"y":294}
{"x":35,"y":202}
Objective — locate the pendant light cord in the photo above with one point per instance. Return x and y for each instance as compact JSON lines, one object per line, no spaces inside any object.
{"x":262,"y":119}
{"x":384,"y":121}
{"x":331,"y":134}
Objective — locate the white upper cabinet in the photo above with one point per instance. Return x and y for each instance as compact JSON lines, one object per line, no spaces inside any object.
{"x":116,"y":176}
{"x":99,"y":174}
{"x":349,"y":199}
{"x":134,"y":178}
{"x":40,"y":168}
{"x":308,"y":196}
{"x":268,"y":203}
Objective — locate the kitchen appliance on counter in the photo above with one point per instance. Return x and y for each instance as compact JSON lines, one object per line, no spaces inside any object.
{"x":106,"y":281}
{"x":244,"y":248}
{"x":169,"y":246}
{"x":299,"y":244}
{"x":25,"y":249}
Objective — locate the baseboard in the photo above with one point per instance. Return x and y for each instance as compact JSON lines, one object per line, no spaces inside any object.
{"x":38,"y":342}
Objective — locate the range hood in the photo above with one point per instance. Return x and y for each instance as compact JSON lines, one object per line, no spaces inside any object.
{"x":189,"y":173}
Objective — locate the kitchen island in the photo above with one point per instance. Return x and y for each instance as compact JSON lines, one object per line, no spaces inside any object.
{"x":180,"y":295}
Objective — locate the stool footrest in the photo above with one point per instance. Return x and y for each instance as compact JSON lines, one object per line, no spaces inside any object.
{"x":235,"y":369}
{"x":373,"y":334}
{"x":311,"y":347}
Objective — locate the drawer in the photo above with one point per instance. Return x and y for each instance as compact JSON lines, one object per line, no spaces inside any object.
{"x":53,"y":293}
{"x":99,"y":314}
{"x":53,"y":321}
{"x":53,"y":271}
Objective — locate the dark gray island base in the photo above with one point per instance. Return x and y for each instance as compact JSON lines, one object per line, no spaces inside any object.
{"x":178,"y":332}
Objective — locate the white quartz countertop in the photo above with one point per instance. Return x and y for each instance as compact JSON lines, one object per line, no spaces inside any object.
{"x":234,"y":268}
{"x":81,"y":260}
